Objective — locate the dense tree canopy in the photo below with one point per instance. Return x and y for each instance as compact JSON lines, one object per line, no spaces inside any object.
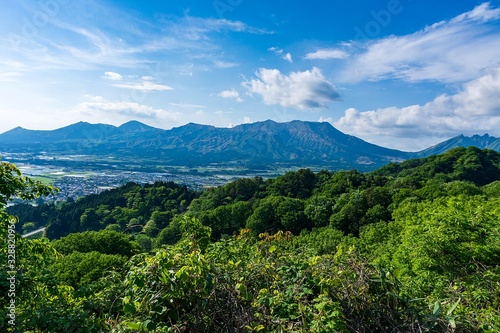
{"x":411,"y":247}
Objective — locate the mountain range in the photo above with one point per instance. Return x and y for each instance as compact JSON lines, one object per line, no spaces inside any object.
{"x":297,"y":143}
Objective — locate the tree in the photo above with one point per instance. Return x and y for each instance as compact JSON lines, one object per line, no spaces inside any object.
{"x":318,"y":209}
{"x":298,"y":184}
{"x":151,"y":228}
{"x":89,"y":220}
{"x":144,"y":241}
{"x":161,"y":219}
{"x":104,"y":241}
{"x":81,"y":269}
{"x":39,"y":306}
{"x":349,"y":212}
{"x":13,"y":184}
{"x":290,"y":214}
{"x":171,"y":234}
{"x":263,"y":217}
{"x":28,"y":226}
{"x":447,"y":238}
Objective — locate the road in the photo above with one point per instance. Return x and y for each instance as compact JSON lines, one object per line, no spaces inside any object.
{"x":34,"y":232}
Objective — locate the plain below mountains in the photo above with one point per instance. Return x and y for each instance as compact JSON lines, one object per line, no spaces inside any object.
{"x":295,"y":143}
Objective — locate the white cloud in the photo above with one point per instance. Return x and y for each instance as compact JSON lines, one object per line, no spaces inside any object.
{"x":197,"y":28}
{"x":481,"y":13}
{"x":325,"y":119}
{"x":187,"y":106}
{"x":70,"y":42}
{"x":113,"y":76}
{"x":247,"y":120}
{"x":325,"y":54}
{"x":9,"y":76}
{"x":144,"y":86}
{"x":145,"y":83}
{"x":474,"y":109}
{"x":448,"y":51}
{"x":225,"y":64}
{"x":94,"y":98}
{"x":281,"y":53}
{"x":303,"y":90}
{"x":128,"y":109}
{"x":231,"y":94}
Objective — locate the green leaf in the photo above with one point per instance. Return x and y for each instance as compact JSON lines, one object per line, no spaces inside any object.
{"x":129,"y":308}
{"x":259,"y":328}
{"x":209,"y":282}
{"x":240,"y":287}
{"x":164,"y":277}
{"x":182,"y":274}
{"x":272,"y":248}
{"x":451,"y":320}
{"x":453,"y":307}
{"x":132,"y":325}
{"x":437,"y":309}
{"x":149,"y":325}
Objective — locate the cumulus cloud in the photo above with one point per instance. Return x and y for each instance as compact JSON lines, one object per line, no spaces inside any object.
{"x":325,"y":119}
{"x":474,"y":109}
{"x":325,"y":54}
{"x":285,"y":56}
{"x":447,"y":51}
{"x":113,"y":76}
{"x":231,"y":94}
{"x":303,"y":90}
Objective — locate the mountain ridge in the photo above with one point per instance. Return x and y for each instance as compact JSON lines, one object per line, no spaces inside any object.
{"x":267,"y":142}
{"x":484,"y":141}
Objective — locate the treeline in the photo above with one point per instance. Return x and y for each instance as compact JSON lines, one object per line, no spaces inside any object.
{"x":126,"y":208}
{"x":411,"y":247}
{"x":345,"y":200}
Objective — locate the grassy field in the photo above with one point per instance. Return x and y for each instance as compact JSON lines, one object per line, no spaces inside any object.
{"x":46,"y":179}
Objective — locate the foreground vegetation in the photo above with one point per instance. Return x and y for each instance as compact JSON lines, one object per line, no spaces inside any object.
{"x":411,"y":247}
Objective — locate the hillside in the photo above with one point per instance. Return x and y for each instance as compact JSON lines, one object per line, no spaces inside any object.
{"x":482,"y":142}
{"x":411,"y":247}
{"x":261,"y":143}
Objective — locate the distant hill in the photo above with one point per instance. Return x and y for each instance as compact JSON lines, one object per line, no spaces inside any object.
{"x":480,"y":166}
{"x":483,"y":142}
{"x":295,"y":143}
{"x":135,"y":126}
{"x":30,"y":140}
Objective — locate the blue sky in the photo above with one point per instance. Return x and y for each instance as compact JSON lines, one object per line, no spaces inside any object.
{"x":404,"y":74}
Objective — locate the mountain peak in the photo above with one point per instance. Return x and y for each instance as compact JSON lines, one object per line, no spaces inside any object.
{"x":135,"y":126}
{"x":193,"y":127}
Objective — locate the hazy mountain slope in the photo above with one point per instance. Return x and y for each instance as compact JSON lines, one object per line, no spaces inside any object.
{"x":482,"y":142}
{"x":297,"y":143}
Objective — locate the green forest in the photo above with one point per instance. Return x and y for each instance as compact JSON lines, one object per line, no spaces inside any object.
{"x":410,"y":247}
